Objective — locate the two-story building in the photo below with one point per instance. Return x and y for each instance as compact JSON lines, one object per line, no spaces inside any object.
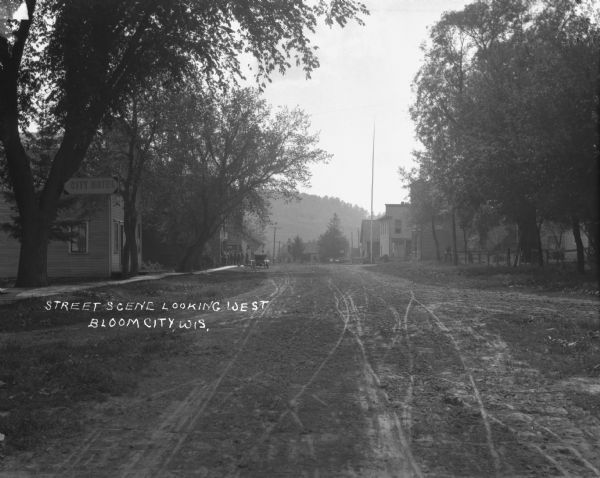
{"x":395,"y":231}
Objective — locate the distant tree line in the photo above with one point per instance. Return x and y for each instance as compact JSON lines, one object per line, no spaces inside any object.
{"x":331,"y":245}
{"x":507,"y":107}
{"x":306,"y":216}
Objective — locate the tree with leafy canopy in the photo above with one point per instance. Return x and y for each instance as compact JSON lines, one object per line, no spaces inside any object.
{"x":521,"y":134}
{"x":534,"y":106}
{"x":296,"y":248}
{"x":426,"y":201}
{"x":123,"y":148}
{"x":226,"y":153}
{"x":81,"y":59}
{"x":332,"y":243}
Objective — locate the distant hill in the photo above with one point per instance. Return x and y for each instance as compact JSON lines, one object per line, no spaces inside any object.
{"x":310,"y":216}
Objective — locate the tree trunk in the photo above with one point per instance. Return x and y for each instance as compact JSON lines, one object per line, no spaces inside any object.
{"x":130,"y":261}
{"x":578,"y":245}
{"x":125,"y":258}
{"x":538,"y":231}
{"x":190,"y":257}
{"x":37,"y":209}
{"x":33,"y":255}
{"x":435,"y":239}
{"x":592,"y":230}
{"x":528,"y":234}
{"x":134,"y":264}
{"x":32,"y":270}
{"x":35,"y":215}
{"x":454,"y":246}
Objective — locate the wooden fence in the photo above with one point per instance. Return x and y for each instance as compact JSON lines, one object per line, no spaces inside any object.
{"x":507,"y":257}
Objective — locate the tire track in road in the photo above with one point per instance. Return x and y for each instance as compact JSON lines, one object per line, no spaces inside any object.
{"x":496,"y":461}
{"x":554,"y":458}
{"x":294,"y":402}
{"x":159,"y":448}
{"x":442,"y":327}
{"x":400,"y":329}
{"x":540,"y":450}
{"x":400,"y":333}
{"x":476,"y":394}
{"x":391,"y":445}
{"x":557,"y":450}
{"x":408,"y":395}
{"x":392,"y":441}
{"x":482,"y":410}
{"x":189,"y":416}
{"x":561,"y":452}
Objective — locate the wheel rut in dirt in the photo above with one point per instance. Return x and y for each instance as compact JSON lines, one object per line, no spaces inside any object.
{"x":469,"y":393}
{"x":350,"y":373}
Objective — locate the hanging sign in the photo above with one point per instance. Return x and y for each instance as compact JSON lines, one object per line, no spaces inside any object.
{"x":91,"y":185}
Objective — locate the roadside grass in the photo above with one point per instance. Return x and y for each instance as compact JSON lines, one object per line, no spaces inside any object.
{"x":586,"y":401}
{"x":561,"y":348}
{"x":41,"y":384}
{"x":561,"y":345}
{"x":48,"y":372}
{"x":552,"y":278}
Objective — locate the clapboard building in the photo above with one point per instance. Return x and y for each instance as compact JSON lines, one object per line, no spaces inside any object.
{"x":95,"y":241}
{"x":395,"y":232}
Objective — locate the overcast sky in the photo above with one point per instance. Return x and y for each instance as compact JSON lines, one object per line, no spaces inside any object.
{"x":365,"y":77}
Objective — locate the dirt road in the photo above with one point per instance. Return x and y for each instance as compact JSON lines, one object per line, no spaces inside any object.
{"x":347,"y":372}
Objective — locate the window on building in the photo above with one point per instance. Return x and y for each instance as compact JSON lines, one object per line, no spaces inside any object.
{"x":79,"y":238}
{"x":398,"y":226}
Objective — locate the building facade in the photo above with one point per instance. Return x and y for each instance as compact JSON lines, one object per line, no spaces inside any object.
{"x":94,"y":248}
{"x":236,"y":244}
{"x":395,"y":232}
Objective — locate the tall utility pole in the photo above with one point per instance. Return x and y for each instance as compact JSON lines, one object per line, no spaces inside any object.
{"x":274,"y":231}
{"x":372,"y":179}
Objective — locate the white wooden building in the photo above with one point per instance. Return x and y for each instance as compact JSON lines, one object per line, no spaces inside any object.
{"x":395,"y":231}
{"x":96,"y":248}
